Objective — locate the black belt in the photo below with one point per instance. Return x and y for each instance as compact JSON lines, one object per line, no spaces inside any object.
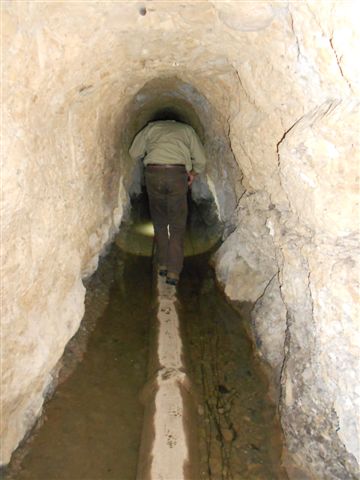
{"x":166,"y":165}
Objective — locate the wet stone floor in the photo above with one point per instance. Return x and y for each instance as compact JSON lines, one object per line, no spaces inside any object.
{"x":91,"y":426}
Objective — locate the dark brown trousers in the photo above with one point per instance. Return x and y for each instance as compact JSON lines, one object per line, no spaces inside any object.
{"x":167,"y":190}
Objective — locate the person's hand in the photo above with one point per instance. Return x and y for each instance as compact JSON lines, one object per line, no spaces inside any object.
{"x":191,"y":177}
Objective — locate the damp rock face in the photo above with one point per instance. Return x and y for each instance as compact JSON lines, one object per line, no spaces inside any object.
{"x":273,"y":88}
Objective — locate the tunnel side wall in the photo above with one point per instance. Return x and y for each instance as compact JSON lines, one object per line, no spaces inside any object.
{"x":63,"y":199}
{"x":284,"y":80}
{"x":296,"y":243}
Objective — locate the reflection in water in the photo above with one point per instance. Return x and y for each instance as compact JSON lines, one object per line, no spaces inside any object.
{"x":145,"y":228}
{"x":92,"y":425}
{"x":239,"y":432}
{"x":137,"y":234}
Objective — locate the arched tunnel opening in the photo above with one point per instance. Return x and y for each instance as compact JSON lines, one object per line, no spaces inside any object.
{"x":172,"y":99}
{"x":247,"y":369}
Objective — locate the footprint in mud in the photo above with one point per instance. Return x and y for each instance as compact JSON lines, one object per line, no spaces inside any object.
{"x":175,"y":411}
{"x":170,"y":439}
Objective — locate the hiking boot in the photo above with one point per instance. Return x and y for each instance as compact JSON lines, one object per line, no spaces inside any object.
{"x":162,"y":271}
{"x":172,"y":279}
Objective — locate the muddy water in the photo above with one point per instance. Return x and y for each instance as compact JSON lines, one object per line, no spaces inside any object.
{"x":239,"y":433}
{"x":92,"y":426}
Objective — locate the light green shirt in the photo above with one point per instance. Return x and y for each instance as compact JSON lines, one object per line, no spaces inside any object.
{"x":169,"y":142}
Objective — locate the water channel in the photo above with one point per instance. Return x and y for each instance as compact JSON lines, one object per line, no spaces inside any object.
{"x":91,"y":426}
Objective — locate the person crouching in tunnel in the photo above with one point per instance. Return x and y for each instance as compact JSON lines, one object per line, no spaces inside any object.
{"x":173,"y":156}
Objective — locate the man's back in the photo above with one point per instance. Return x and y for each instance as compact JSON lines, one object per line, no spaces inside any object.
{"x":169,"y":142}
{"x":173,"y":156}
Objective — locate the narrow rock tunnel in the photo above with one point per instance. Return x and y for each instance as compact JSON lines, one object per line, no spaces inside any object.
{"x":271,"y":88}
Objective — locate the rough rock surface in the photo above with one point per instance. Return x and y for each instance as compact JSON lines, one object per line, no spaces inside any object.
{"x":277,"y":80}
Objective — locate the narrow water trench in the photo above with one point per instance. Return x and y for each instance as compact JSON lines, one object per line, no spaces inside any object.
{"x":91,"y":427}
{"x":239,"y":434}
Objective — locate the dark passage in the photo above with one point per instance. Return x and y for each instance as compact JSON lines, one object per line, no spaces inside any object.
{"x":92,"y":426}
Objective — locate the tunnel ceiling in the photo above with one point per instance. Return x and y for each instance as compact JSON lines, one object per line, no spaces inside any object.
{"x":165,"y":95}
{"x":272,"y":87}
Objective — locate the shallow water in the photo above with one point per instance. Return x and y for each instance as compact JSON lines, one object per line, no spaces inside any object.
{"x":93,"y":423}
{"x":239,"y":433}
{"x":91,"y":427}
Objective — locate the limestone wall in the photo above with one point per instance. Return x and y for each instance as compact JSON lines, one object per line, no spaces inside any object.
{"x":274,"y":87}
{"x":297,"y":238}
